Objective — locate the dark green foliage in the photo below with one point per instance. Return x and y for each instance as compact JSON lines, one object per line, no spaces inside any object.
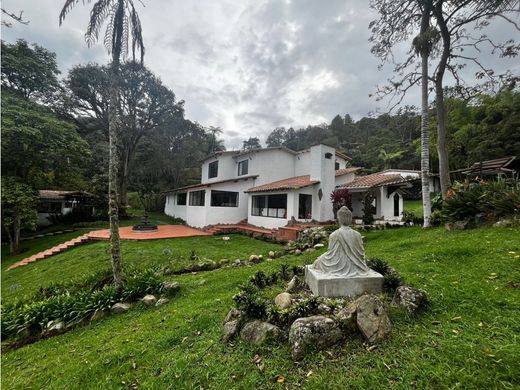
{"x":378,"y":265}
{"x":284,"y":318}
{"x":284,"y":272}
{"x":496,"y":199}
{"x":73,"y":304}
{"x":410,"y":217}
{"x":259,"y":280}
{"x":391,"y":281}
{"x":368,"y":208}
{"x":249,"y":301}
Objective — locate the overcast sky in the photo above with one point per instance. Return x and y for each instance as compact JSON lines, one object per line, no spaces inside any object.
{"x":247,"y":66}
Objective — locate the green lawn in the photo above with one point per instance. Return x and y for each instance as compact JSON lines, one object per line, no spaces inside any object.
{"x":414,"y":206}
{"x":470,"y":338}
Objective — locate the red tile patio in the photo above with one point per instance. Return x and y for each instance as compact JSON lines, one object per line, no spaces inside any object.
{"x":163,"y":231}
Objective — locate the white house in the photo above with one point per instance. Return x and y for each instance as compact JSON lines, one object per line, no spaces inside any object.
{"x":269,"y":187}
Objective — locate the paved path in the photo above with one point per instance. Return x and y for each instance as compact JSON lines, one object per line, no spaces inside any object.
{"x":126,"y":233}
{"x":164,"y":231}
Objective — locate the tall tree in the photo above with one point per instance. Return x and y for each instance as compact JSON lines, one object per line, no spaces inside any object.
{"x":251,"y":143}
{"x":398,"y":21}
{"x":455,"y":21}
{"x":145,"y":105}
{"x":123,"y":25}
{"x":31,"y":71}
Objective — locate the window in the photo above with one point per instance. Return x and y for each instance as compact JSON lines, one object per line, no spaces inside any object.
{"x":274,"y":206}
{"x":243,"y":167}
{"x":197,"y":198}
{"x":213,"y":169}
{"x":328,"y":156}
{"x":181,"y":199}
{"x":305,"y":206}
{"x":336,"y":165}
{"x":224,"y":199}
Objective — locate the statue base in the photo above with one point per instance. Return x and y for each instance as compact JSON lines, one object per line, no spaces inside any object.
{"x":335,"y":286}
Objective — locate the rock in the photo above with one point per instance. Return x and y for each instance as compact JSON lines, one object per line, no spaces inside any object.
{"x":233,"y":314}
{"x":255,"y":259}
{"x":371,"y":318}
{"x":318,"y":246}
{"x":55,"y":325}
{"x":461,"y":225}
{"x":283,"y":300}
{"x":503,"y":223}
{"x":271,"y":254}
{"x":98,"y":315}
{"x":410,"y":299}
{"x":236,"y":263}
{"x":480,"y":219}
{"x":161,"y":301}
{"x":297,"y":252}
{"x":258,"y":332}
{"x":449,"y":226}
{"x":316,"y":332}
{"x":347,"y":319}
{"x":294,"y":285}
{"x":324,"y":309}
{"x":170,"y":287}
{"x":120,"y":308}
{"x":149,"y":300}
{"x":230,"y":329}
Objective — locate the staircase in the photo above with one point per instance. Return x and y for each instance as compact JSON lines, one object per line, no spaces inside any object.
{"x":251,"y":230}
{"x":50,"y":252}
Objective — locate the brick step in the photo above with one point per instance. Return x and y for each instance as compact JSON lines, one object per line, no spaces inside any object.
{"x":52,"y":251}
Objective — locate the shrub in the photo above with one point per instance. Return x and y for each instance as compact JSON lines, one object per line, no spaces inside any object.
{"x":249,"y":301}
{"x":496,"y":199}
{"x":284,"y":318}
{"x":368,"y":208}
{"x":378,"y":265}
{"x":391,"y":281}
{"x":73,"y":303}
{"x":308,"y":238}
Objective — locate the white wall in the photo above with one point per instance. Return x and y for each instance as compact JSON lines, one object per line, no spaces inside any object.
{"x":302,"y":163}
{"x":344,"y":179}
{"x":270,"y":165}
{"x":387,"y":206}
{"x":172,"y":209}
{"x":322,"y":169}
{"x":227,"y":168}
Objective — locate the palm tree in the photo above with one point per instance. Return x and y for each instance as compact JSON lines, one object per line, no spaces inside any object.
{"x":423,"y":45}
{"x":123,"y":25}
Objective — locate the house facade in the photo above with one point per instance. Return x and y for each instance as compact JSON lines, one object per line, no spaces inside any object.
{"x":270,"y":187}
{"x":52,"y":203}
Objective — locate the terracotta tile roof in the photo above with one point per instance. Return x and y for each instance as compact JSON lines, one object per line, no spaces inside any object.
{"x":291,"y":183}
{"x":346,"y":171}
{"x":491,"y":167}
{"x":204,"y":185}
{"x":375,"y":180}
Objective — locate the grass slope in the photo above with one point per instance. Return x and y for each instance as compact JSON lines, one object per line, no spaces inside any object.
{"x":469,"y":275}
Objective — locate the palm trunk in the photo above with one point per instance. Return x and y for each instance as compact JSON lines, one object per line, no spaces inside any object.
{"x":113,"y":133}
{"x":425,"y":136}
{"x":444,"y":169}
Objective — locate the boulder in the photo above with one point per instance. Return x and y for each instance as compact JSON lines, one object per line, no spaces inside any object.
{"x":316,"y":332}
{"x":283,"y":300}
{"x":480,"y":219}
{"x":230,"y":329}
{"x":461,"y":225}
{"x":233,"y":314}
{"x":503,"y":223}
{"x":161,"y":301}
{"x":170,"y":287}
{"x":272,"y":254}
{"x":55,"y":325}
{"x":149,"y":300}
{"x":259,"y":332}
{"x":297,"y":252}
{"x":409,"y":299}
{"x":120,"y":307}
{"x":347,"y":319}
{"x":255,"y":259}
{"x":294,"y":285}
{"x":371,"y":318}
{"x":97,"y":315}
{"x":318,"y":246}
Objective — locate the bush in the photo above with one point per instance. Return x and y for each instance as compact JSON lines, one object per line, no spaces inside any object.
{"x":308,"y":238}
{"x":378,"y":265}
{"x":248,"y":301}
{"x":391,"y":281}
{"x":496,"y":199}
{"x":73,"y":303}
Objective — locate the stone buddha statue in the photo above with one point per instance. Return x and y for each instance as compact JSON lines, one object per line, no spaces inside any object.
{"x":345,"y":255}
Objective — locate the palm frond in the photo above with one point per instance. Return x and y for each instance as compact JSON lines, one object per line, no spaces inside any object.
{"x":67,"y":7}
{"x":137,"y":33}
{"x":98,"y":15}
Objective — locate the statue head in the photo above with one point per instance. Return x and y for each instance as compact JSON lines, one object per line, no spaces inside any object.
{"x":344,"y":216}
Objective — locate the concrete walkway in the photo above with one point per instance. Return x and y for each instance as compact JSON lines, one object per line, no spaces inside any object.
{"x":126,"y":233}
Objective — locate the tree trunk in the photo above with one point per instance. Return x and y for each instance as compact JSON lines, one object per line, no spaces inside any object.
{"x":123,"y":193}
{"x":425,"y":136}
{"x":444,"y":169}
{"x":113,"y":133}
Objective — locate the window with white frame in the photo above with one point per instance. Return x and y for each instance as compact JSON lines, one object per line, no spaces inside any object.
{"x":197,"y":198}
{"x":224,"y":199}
{"x":274,"y":206}
{"x":213,"y":169}
{"x":243,"y":167}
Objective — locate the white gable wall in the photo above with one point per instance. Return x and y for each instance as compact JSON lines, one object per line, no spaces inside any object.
{"x":270,"y":165}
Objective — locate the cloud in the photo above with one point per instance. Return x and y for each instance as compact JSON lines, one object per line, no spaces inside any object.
{"x":247,"y":66}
